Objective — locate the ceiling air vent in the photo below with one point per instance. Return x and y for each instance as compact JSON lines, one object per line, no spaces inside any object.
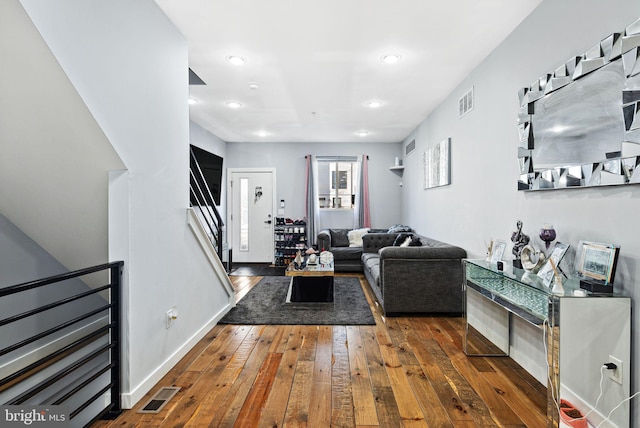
{"x":465,"y":103}
{"x":159,"y":400}
{"x":410,"y":147}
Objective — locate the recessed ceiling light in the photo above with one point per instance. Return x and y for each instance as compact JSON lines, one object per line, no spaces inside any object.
{"x":236,"y":60}
{"x":233,"y":104}
{"x":391,"y":58}
{"x":253,"y":85}
{"x":262,"y":133}
{"x":193,"y":101}
{"x":362,"y":133}
{"x":374,"y":104}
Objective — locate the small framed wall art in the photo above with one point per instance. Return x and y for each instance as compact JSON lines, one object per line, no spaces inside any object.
{"x":437,"y":165}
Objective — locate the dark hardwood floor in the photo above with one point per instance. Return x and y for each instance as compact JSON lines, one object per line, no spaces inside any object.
{"x":402,"y":372}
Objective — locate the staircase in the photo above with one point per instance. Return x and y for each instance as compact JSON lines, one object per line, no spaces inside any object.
{"x":205,"y":206}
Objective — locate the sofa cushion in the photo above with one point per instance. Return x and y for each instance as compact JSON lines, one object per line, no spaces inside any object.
{"x":339,"y":237}
{"x":346,"y":253}
{"x":355,"y":236}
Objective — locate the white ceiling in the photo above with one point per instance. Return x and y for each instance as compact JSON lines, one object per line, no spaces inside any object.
{"x":318,"y":63}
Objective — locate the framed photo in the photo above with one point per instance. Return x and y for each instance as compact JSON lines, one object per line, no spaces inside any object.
{"x":597,"y":261}
{"x":546,"y":272}
{"x":497,"y":250}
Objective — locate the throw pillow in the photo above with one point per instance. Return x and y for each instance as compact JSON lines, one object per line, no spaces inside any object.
{"x":339,"y":238}
{"x":400,"y":239}
{"x":406,"y":242}
{"x":399,"y":228}
{"x":355,"y":236}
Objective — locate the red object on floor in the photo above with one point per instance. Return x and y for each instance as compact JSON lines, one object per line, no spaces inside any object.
{"x":572,"y":416}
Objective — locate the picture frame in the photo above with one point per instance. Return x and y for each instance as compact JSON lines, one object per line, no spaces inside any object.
{"x":546,"y":273}
{"x":596,"y":262}
{"x":498,"y":248}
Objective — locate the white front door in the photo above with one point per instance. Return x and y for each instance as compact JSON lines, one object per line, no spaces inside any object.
{"x":252,"y":216}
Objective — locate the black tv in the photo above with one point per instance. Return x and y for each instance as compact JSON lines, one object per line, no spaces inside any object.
{"x":211,"y":167}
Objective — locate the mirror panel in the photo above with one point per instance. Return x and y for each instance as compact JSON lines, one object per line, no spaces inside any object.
{"x":580,"y":125}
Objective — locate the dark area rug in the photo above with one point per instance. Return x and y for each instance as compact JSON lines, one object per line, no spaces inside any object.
{"x":265,"y":304}
{"x":257,"y":270}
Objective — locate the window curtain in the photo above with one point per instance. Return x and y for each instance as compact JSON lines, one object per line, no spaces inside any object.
{"x":361,"y":213}
{"x":312,"y":212}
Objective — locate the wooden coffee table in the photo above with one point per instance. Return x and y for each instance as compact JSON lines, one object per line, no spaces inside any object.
{"x":313,"y":284}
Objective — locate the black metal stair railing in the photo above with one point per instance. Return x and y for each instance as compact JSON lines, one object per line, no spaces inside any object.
{"x":89,"y":366}
{"x":206,"y":204}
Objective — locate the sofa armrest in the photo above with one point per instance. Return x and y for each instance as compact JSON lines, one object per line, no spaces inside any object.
{"x":324,"y":239}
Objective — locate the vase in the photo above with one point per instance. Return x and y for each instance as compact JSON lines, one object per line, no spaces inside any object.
{"x":547,"y":234}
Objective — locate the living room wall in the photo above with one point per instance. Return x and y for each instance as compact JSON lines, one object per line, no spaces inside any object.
{"x":482,"y":201}
{"x":289,"y":162}
{"x":128,"y":64}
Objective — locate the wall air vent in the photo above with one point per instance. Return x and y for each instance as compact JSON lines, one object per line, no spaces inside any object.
{"x":466,"y":103}
{"x":410,"y":147}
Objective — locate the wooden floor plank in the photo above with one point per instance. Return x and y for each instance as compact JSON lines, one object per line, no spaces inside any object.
{"x":297,"y":413}
{"x":410,"y":412}
{"x":482,"y":391}
{"x":399,"y":372}
{"x":203,"y":385}
{"x":342,"y":413}
{"x":249,"y":415}
{"x":233,"y":401}
{"x":320,"y":402}
{"x":363,"y":402}
{"x":386,"y":405}
{"x":276,"y":405}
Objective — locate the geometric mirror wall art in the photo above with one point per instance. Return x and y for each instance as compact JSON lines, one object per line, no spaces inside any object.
{"x":579,"y":126}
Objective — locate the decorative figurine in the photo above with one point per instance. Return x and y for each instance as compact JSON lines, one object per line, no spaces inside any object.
{"x":519,"y":240}
{"x":547,"y":234}
{"x":298,"y":260}
{"x":531,"y":258}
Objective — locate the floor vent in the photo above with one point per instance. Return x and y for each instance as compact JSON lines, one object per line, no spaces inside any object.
{"x":159,"y":400}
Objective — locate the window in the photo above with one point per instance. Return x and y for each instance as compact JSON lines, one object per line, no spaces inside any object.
{"x":336,"y":183}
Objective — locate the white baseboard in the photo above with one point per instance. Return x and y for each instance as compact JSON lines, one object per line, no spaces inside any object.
{"x":130,"y":399}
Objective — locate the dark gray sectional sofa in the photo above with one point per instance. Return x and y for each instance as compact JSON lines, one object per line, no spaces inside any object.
{"x":416,"y":279}
{"x":425,"y":279}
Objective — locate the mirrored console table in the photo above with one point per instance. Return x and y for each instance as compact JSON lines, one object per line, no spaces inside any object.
{"x":581,"y":331}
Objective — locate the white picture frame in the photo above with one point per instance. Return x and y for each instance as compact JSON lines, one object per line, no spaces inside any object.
{"x":498,"y":247}
{"x":546,"y":273}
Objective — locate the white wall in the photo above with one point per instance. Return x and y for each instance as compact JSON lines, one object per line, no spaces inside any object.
{"x":129,"y":65}
{"x":289,"y":162}
{"x":482,"y":202}
{"x":54,"y":158}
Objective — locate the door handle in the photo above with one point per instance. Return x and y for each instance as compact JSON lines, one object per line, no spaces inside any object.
{"x":268,"y":221}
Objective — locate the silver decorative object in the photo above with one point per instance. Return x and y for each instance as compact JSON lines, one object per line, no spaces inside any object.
{"x":582,"y":97}
{"x":520,"y":240}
